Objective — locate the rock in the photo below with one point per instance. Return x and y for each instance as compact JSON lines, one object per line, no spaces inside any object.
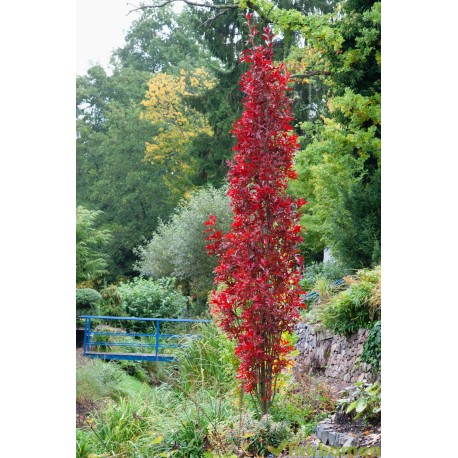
{"x":350,"y":442}
{"x":333,"y":439}
{"x":319,"y":429}
{"x":324,"y":437}
{"x":335,"y":354}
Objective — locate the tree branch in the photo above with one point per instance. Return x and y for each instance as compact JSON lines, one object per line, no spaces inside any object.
{"x":309,"y":74}
{"x":210,"y":20}
{"x":224,"y":8}
{"x":188,"y":2}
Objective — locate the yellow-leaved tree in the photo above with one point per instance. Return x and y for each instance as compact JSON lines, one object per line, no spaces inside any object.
{"x":176,"y":125}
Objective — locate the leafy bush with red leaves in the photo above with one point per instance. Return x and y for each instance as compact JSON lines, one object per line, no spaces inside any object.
{"x":259,"y":266}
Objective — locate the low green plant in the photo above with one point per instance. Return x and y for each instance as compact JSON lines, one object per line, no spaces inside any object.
{"x":246,"y":433}
{"x":372,"y":349}
{"x":330,"y":270}
{"x":135,"y":369}
{"x":324,"y":288}
{"x":363,"y":400}
{"x":302,"y":400}
{"x":100,"y":341}
{"x":84,"y":443}
{"x":119,"y":426}
{"x":353,"y":308}
{"x":141,"y":420}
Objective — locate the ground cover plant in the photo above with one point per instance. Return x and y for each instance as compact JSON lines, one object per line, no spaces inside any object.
{"x":372,"y":350}
{"x":361,"y":400}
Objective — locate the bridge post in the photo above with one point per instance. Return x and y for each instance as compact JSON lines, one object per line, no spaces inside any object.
{"x":157,"y":337}
{"x":87,"y":335}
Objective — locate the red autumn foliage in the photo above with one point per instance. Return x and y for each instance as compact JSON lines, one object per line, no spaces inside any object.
{"x":259,"y":266}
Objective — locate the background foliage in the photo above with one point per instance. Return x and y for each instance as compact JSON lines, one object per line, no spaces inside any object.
{"x":91,"y":261}
{"x":177,"y":247}
{"x":356,"y":307}
{"x":333,"y":51}
{"x":152,"y":298}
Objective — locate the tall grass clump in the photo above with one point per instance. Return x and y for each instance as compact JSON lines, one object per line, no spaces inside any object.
{"x":96,"y":380}
{"x":206,"y":362}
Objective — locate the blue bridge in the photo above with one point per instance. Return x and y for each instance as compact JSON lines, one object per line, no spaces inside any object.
{"x":137,"y":339}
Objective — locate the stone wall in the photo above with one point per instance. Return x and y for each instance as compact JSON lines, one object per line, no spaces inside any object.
{"x":331,"y":355}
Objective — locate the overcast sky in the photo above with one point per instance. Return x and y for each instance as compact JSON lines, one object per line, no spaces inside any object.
{"x":100,"y":28}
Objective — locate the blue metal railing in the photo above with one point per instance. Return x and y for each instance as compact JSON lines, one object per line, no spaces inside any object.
{"x":313,"y":295}
{"x":156,"y":341}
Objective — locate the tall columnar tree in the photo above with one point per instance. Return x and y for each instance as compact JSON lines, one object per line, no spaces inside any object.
{"x":258,"y":297}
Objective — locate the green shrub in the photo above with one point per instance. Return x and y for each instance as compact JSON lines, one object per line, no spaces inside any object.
{"x":87,"y":303}
{"x":331,"y":270}
{"x":111,"y":303}
{"x":356,"y":225}
{"x":354,"y":308}
{"x":87,"y":298}
{"x":372,"y":349}
{"x":177,"y":248}
{"x":152,"y":298}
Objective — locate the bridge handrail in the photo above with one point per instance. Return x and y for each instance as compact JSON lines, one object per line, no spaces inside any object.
{"x":157,"y":335}
{"x":134,"y":318}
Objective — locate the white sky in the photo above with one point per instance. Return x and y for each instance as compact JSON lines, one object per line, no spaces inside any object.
{"x":100,"y":27}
